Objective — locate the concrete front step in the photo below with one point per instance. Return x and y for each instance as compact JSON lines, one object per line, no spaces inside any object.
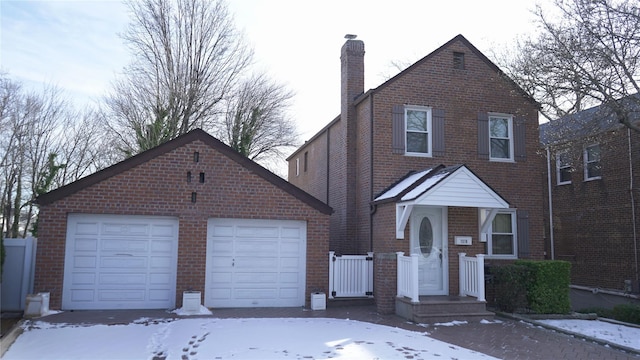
{"x":432,"y":309}
{"x":444,"y":318}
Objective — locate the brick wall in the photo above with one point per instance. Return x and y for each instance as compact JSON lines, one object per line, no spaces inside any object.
{"x":593,"y":220}
{"x":159,"y":188}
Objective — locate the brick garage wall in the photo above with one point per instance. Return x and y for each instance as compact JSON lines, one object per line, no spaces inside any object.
{"x":593,"y":220}
{"x":159,"y":188}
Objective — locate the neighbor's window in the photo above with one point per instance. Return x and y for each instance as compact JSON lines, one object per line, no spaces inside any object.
{"x":592,"y":166}
{"x":501,"y":137}
{"x":563,"y":168}
{"x":502,"y":240}
{"x":418,"y":130}
{"x":297,"y":166}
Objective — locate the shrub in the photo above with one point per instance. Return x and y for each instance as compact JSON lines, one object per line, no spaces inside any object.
{"x":510,"y":287}
{"x":548,"y":286}
{"x":627,"y":312}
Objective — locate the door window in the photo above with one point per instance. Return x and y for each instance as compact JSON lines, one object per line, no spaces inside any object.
{"x":425,"y":236}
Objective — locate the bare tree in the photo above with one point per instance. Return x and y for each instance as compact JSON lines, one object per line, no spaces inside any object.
{"x":188,"y":57}
{"x":256,"y":122}
{"x":43,"y":144}
{"x":587,"y":53}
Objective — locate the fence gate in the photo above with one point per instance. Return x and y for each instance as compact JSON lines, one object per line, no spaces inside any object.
{"x":18,"y":273}
{"x":350,"y":275}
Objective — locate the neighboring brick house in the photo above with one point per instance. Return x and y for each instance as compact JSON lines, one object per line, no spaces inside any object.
{"x":594,"y":172}
{"x":378,"y":165}
{"x":190,"y":214}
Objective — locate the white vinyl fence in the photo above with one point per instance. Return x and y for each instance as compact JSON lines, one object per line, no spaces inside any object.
{"x":350,"y":275}
{"x":18,"y":273}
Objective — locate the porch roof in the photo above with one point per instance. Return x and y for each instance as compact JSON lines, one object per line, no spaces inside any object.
{"x":443,"y":186}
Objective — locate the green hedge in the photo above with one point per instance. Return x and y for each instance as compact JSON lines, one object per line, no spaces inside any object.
{"x":548,"y":287}
{"x":541,"y":287}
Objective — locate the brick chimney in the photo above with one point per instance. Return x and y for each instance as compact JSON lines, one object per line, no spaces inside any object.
{"x":352,"y":85}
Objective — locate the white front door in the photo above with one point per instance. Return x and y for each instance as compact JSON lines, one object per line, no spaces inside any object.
{"x":429,"y":241}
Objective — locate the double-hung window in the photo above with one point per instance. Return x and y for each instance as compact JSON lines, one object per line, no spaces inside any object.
{"x":563,"y":168}
{"x":502,"y":235}
{"x":592,"y":166}
{"x":418,"y":130}
{"x":500,"y":137}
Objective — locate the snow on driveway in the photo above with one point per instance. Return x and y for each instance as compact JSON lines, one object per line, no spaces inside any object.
{"x":213,"y":338}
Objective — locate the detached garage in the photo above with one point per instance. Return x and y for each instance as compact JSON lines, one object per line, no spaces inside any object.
{"x":190,"y":214}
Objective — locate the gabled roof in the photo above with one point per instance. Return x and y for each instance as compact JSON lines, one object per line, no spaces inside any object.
{"x":585,"y":123}
{"x":434,"y":53}
{"x":443,"y":186}
{"x":194,"y":135}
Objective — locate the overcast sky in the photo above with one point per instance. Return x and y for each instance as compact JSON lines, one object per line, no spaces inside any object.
{"x":75,"y":45}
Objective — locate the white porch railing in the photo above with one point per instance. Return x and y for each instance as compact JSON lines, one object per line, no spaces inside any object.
{"x":472,"y":276}
{"x":350,"y":275}
{"x":408,"y":276}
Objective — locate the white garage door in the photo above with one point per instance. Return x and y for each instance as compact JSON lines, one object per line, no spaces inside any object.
{"x":255,"y":263}
{"x":120,"y":262}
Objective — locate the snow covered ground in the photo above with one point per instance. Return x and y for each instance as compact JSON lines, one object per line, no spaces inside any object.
{"x":212,"y":338}
{"x":614,"y":333}
{"x":261,"y":338}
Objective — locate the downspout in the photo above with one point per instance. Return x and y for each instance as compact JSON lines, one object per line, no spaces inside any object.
{"x":551,"y":239}
{"x":373,"y":209}
{"x":328,"y":161}
{"x":633,"y":207}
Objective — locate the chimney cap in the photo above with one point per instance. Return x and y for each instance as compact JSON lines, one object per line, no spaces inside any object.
{"x":350,"y":36}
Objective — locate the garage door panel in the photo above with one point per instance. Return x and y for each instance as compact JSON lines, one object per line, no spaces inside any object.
{"x":291,"y":233}
{"x":86,"y":228}
{"x":160,"y":279}
{"x":122,"y":279}
{"x":120,"y":262}
{"x":256,"y":246}
{"x":123,"y":262}
{"x":162,"y":246}
{"x":137,"y":295}
{"x":119,"y":228}
{"x":85,"y":262}
{"x":253,"y":232}
{"x":255,"y":263}
{"x":83,"y":296}
{"x":83,"y":279}
{"x":163,"y":231}
{"x":82,"y":244}
{"x":125,"y":245}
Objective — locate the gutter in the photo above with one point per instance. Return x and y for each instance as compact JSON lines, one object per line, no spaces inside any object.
{"x":633,"y":210}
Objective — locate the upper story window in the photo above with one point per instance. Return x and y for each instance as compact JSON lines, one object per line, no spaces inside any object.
{"x":592,"y":166}
{"x":563,"y":168}
{"x":418,"y":130}
{"x":297,"y":166}
{"x":500,"y":137}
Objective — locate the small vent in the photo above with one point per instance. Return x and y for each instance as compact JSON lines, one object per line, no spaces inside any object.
{"x":194,"y":195}
{"x":201,"y":177}
{"x":196,"y":156}
{"x":458,"y":60}
{"x":188,"y":176}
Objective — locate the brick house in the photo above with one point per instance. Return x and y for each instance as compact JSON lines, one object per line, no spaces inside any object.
{"x":593,"y":168}
{"x":190,"y":214}
{"x":439,"y":160}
